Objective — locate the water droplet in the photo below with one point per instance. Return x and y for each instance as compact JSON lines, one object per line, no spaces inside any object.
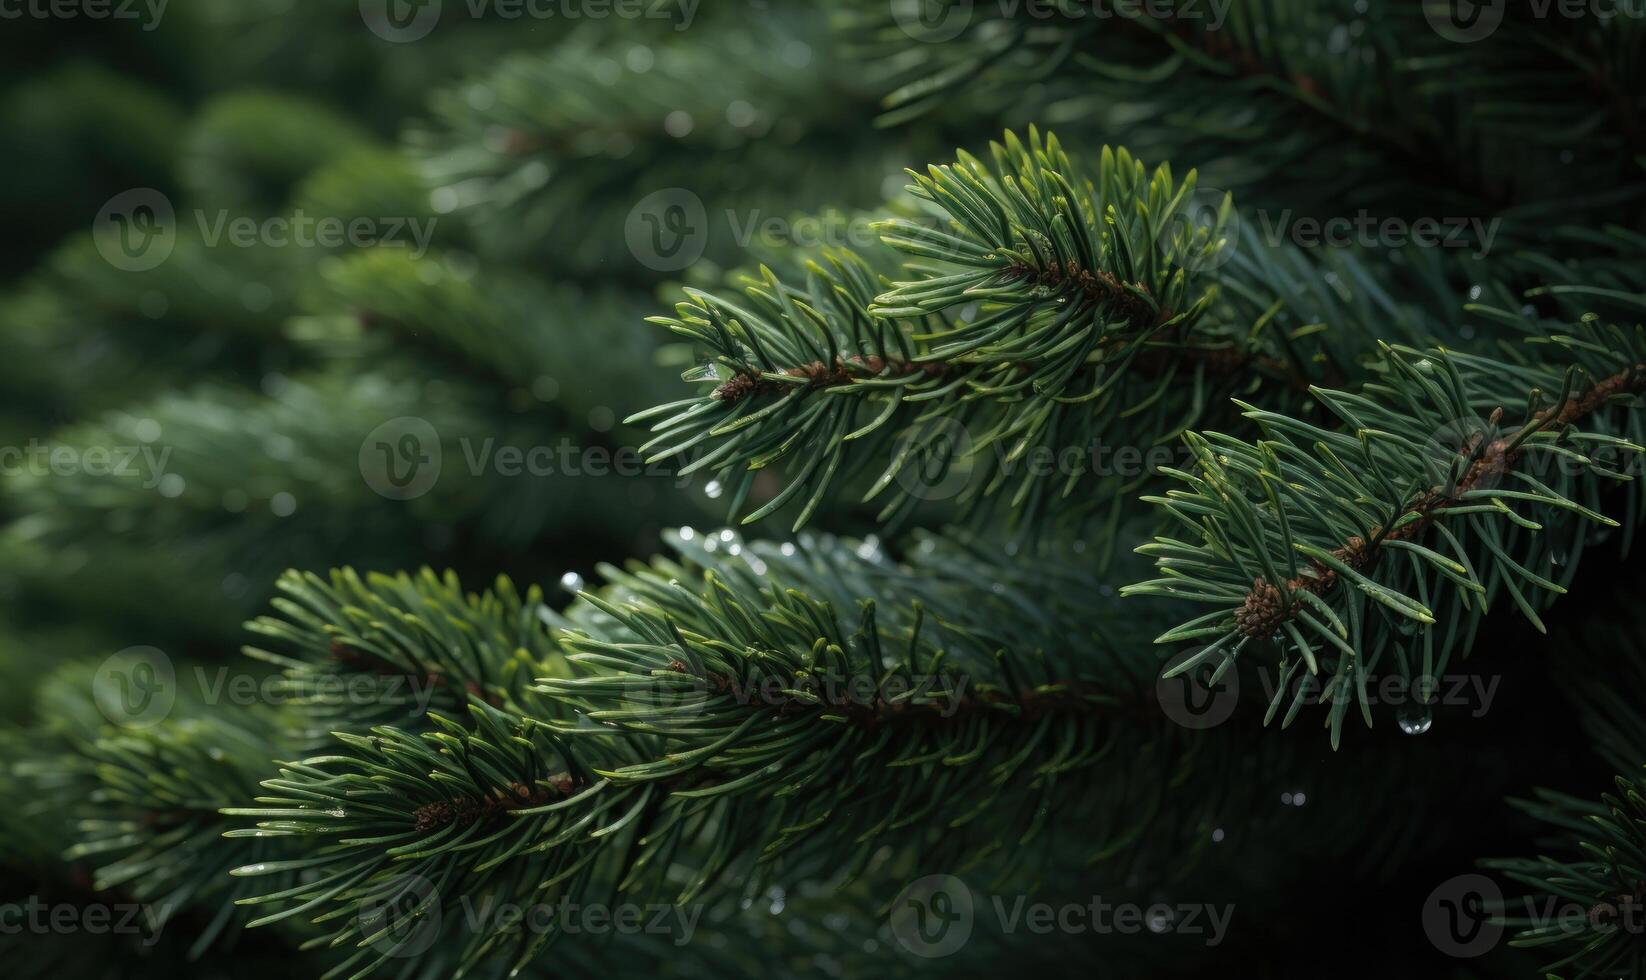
{"x":640,"y":59}
{"x":788,"y":549}
{"x":572,"y":582}
{"x":1414,"y":719}
{"x":687,"y":533}
{"x":713,"y":490}
{"x":741,"y":114}
{"x":678,"y":123}
{"x":707,"y":371}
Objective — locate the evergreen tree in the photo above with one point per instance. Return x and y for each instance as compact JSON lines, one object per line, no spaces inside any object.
{"x":1212,"y":368}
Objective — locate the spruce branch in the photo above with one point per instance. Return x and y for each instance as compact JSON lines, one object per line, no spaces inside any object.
{"x":1052,"y":310}
{"x":1595,"y":867}
{"x":734,"y":715}
{"x":375,"y":650}
{"x":519,"y":162}
{"x":1391,"y":536}
{"x":138,"y":808}
{"x":1373,"y":90}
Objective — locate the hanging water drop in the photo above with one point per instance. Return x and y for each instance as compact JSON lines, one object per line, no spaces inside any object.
{"x":707,"y":371}
{"x":1414,"y":719}
{"x":713,"y":490}
{"x":1160,"y":918}
{"x":572,"y":582}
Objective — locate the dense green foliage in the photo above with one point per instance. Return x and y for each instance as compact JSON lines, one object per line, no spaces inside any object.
{"x":1205,"y":371}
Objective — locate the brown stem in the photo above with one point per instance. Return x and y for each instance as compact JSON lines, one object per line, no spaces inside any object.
{"x":467,"y":810}
{"x":1266,"y":607}
{"x":1096,"y":286}
{"x":820,"y":375}
{"x":1060,"y":697}
{"x":371,"y":663}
